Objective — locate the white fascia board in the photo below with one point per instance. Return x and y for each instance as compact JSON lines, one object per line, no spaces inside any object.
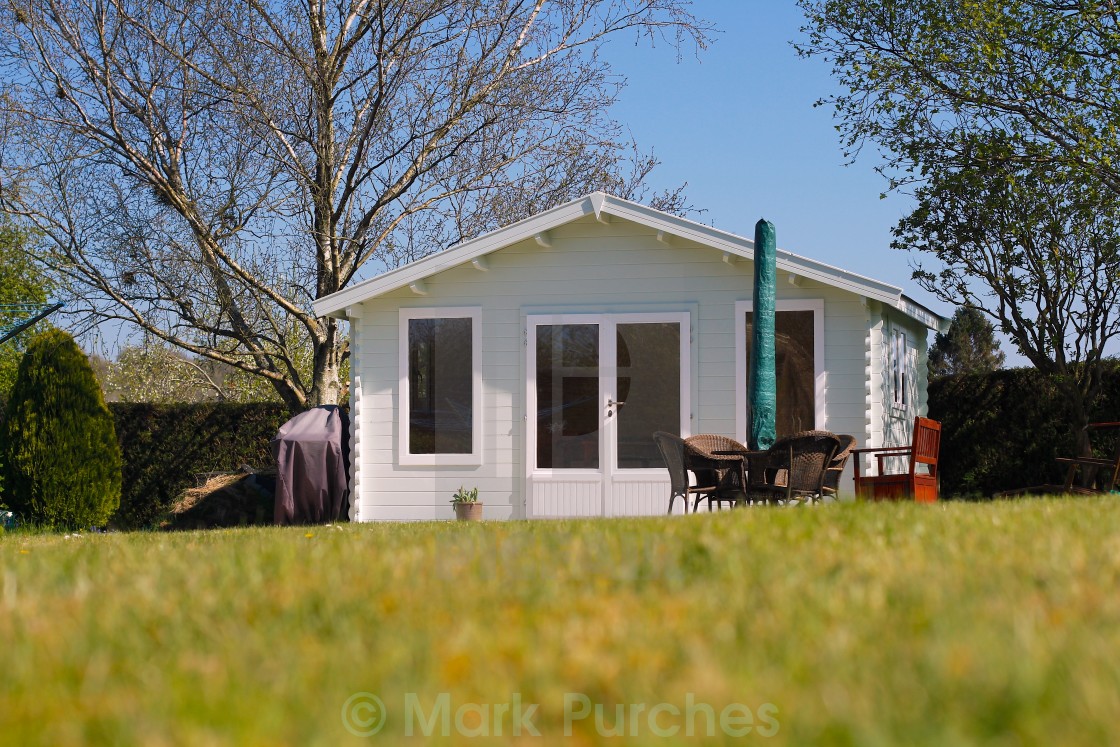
{"x":912,"y":308}
{"x":599,"y":204}
{"x":679,"y":227}
{"x":811,"y":269}
{"x":336,"y":303}
{"x":734,"y":244}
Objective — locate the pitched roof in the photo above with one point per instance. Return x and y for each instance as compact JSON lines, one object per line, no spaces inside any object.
{"x":605,"y":207}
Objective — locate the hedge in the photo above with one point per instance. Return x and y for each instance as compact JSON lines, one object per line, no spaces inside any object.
{"x":164,"y":448}
{"x":1001,"y":431}
{"x":1004,"y":430}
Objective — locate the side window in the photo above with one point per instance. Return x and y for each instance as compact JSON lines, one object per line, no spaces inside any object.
{"x":903,"y":358}
{"x":440,"y":377}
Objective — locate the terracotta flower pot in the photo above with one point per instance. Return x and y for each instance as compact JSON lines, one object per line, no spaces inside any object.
{"x":468,"y":511}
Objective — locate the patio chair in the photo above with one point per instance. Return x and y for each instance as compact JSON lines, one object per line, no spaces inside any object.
{"x":836,"y":466}
{"x":1098,"y":475}
{"x":920,"y":486}
{"x":832,"y":472}
{"x":702,"y":457}
{"x":672,"y":450}
{"x":795,"y":467}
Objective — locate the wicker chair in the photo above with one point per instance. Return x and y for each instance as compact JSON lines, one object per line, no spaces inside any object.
{"x":672,"y":449}
{"x":727,"y":471}
{"x":836,"y":466}
{"x":796,"y":467}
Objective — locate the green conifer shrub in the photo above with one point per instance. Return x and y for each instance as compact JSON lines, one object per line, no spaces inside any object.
{"x":61,"y":460}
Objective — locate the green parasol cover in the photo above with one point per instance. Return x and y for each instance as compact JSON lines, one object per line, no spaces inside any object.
{"x":763,"y":388}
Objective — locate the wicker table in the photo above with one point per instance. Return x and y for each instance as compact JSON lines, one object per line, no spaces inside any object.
{"x":747,"y":472}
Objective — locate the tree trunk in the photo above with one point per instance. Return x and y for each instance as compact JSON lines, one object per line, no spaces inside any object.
{"x":1078,"y":419}
{"x":326,"y":389}
{"x":1078,"y":415}
{"x":291,"y":396}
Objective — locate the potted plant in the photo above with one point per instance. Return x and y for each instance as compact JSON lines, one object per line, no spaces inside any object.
{"x":467,"y":506}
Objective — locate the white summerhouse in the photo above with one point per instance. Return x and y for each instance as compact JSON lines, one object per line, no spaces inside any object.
{"x":535,"y":362}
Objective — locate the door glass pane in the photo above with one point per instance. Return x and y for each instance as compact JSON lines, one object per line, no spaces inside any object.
{"x":795,"y":369}
{"x":649,"y":382}
{"x":568,"y":408}
{"x":440,"y":386}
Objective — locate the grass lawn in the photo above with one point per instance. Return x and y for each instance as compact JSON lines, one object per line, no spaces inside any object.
{"x":860,"y":625}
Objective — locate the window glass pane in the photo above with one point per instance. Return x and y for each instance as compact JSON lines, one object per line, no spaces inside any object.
{"x":898,"y":354}
{"x":568,"y":396}
{"x":795,"y":369}
{"x":649,"y":382}
{"x":898,"y":368}
{"x":440,"y":386}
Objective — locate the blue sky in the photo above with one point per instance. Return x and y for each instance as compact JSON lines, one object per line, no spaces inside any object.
{"x":738,"y":124}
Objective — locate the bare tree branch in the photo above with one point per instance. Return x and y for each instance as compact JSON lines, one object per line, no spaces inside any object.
{"x":206,"y":170}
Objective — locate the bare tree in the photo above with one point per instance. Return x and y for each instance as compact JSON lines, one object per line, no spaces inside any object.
{"x":205,"y":170}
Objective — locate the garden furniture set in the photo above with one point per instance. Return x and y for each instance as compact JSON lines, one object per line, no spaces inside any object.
{"x":802,"y":467}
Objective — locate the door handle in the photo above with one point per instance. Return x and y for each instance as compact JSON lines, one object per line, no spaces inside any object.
{"x":612,"y":403}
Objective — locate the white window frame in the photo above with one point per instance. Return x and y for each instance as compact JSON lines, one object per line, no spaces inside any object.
{"x":815,"y":305}
{"x":474,"y":458}
{"x":902,"y":357}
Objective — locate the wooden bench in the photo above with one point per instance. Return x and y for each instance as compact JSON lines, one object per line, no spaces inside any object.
{"x":1106,"y":470}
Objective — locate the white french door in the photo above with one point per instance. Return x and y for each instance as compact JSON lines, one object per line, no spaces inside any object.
{"x":598,"y":386}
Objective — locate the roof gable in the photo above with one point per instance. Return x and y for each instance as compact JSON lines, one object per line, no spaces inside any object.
{"x":605,"y":208}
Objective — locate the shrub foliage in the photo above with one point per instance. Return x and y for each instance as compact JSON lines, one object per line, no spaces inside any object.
{"x":61,"y":461}
{"x":1004,"y":429}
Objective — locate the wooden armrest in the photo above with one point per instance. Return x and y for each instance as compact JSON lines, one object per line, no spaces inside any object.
{"x":1094,"y":426}
{"x":1092,"y":461}
{"x":889,"y":450}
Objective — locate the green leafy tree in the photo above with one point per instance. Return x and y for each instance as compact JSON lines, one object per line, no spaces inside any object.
{"x":61,"y":460}
{"x":206,"y":170}
{"x":970,"y":346}
{"x":1003,"y":120}
{"x":21,"y":281}
{"x":156,"y":373}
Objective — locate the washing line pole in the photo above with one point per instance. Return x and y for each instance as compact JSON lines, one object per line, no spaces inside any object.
{"x":9,"y":331}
